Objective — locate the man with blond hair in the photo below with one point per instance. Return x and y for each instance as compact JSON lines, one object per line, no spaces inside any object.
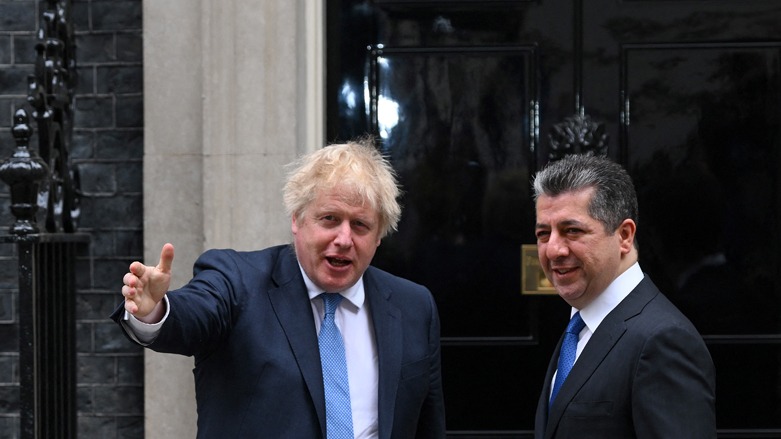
{"x":256,"y":321}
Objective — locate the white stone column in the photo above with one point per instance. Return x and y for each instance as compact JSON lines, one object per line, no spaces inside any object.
{"x":233,"y":90}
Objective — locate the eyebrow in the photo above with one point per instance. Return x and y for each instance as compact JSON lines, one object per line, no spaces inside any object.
{"x":565,"y":223}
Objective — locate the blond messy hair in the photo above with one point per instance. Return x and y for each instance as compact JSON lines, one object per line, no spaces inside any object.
{"x":356,"y":168}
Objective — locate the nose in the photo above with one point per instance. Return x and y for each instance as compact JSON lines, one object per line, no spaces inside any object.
{"x":344,"y":235}
{"x":556,"y":247}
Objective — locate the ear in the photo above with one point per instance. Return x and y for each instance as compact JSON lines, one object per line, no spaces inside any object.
{"x":294,"y":225}
{"x":626,"y":234}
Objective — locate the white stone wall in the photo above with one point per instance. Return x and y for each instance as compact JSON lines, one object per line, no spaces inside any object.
{"x":233,"y":90}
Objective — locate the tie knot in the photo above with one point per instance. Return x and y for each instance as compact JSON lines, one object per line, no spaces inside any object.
{"x":576,"y":324}
{"x":331,"y":301}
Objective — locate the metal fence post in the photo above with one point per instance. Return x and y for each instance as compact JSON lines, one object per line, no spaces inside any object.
{"x":42,"y":181}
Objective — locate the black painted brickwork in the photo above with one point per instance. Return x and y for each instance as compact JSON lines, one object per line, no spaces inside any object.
{"x":107,"y":147}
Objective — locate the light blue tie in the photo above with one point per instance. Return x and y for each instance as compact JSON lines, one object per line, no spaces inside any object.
{"x":338,"y":414}
{"x":569,"y":347}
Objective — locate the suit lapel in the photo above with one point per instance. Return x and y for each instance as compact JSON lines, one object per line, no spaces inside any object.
{"x":601,"y":343}
{"x":294,"y":312}
{"x":386,"y":319}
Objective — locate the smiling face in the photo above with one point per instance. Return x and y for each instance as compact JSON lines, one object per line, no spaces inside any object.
{"x":579,"y":257}
{"x":335,"y":240}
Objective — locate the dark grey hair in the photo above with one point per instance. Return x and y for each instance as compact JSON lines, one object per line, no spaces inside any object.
{"x":614,"y":199}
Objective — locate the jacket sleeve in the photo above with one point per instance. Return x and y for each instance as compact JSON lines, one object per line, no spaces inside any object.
{"x":431,"y":424}
{"x":674,"y":388}
{"x":199,"y":313}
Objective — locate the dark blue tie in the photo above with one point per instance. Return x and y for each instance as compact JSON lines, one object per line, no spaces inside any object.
{"x":338,"y":414}
{"x":569,"y":347}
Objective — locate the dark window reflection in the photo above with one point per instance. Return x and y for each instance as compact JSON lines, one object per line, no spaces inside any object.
{"x":711,"y":196}
{"x":453,"y":126}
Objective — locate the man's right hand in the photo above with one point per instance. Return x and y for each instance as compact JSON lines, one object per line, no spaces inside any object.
{"x":145,"y":286}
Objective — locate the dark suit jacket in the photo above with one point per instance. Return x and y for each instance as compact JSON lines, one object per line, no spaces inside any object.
{"x":645,"y":373}
{"x":247,"y":319}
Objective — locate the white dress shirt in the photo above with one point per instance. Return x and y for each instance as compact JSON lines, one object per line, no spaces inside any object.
{"x":596,"y":311}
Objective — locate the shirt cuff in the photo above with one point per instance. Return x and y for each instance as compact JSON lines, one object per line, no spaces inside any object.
{"x":145,"y":333}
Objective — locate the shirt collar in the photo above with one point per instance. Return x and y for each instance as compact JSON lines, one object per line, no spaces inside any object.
{"x":596,"y":311}
{"x":355,"y":294}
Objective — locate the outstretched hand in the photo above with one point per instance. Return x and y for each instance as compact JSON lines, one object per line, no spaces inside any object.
{"x":146,"y":285}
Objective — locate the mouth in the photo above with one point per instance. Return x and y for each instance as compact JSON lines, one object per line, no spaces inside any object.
{"x":563,"y":271}
{"x":338,"y":262}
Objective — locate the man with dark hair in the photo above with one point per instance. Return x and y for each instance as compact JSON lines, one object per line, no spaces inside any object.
{"x":630,"y":364}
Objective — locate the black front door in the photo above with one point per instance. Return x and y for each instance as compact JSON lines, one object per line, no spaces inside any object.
{"x":470,"y":98}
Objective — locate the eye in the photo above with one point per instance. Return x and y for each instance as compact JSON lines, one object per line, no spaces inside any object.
{"x":360,"y":226}
{"x":542,"y":235}
{"x":329,"y":219}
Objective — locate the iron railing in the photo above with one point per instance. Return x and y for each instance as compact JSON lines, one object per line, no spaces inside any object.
{"x":44,"y":191}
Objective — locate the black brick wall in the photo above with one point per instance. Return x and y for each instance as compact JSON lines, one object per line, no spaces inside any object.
{"x":107,"y":148}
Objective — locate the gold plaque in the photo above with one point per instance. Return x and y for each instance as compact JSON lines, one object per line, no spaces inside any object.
{"x":533,"y":280}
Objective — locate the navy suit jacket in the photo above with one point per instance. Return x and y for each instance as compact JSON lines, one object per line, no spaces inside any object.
{"x":246,"y":318}
{"x":645,"y":373}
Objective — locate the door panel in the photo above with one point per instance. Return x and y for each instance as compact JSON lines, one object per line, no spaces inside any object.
{"x":710,"y":237}
{"x":461,"y":158}
{"x":467,"y":97}
{"x":698,"y":105}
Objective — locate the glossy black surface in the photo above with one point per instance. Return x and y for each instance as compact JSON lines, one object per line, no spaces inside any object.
{"x":462,"y":158}
{"x":464,"y":97}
